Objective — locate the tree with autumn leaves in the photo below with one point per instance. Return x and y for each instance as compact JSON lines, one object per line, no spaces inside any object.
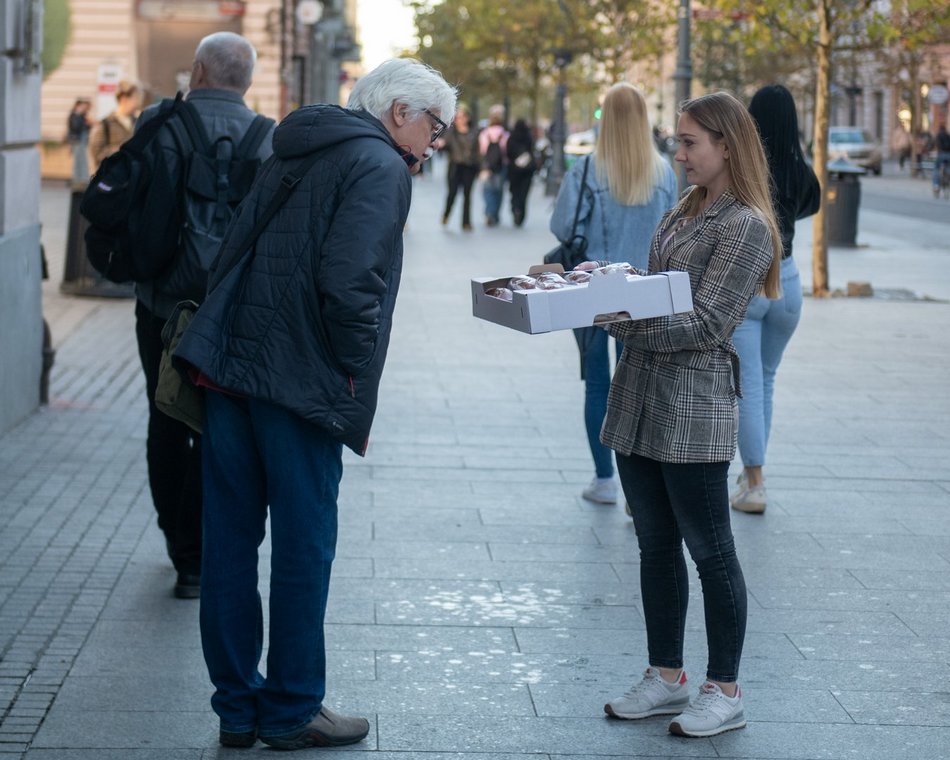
{"x":824,"y":32}
{"x":492,"y":47}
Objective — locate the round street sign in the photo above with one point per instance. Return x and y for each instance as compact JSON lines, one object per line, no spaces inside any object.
{"x":309,"y":11}
{"x":938,"y":94}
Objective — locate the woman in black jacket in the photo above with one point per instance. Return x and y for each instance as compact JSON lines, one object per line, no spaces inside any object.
{"x":521,"y":166}
{"x":461,"y":145}
{"x":769,"y":324}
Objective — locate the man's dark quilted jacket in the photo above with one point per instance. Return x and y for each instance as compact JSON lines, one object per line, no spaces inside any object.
{"x":305,"y":322}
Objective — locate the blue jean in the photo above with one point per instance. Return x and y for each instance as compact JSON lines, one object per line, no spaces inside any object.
{"x":492,"y":191}
{"x":760,"y":341}
{"x":257,"y":454}
{"x":673,"y":503}
{"x":943,"y":157}
{"x":594,"y":347}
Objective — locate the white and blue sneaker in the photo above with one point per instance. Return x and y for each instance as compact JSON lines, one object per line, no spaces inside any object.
{"x":711,"y":713}
{"x":652,"y":696}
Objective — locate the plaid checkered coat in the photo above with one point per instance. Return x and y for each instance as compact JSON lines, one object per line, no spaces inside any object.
{"x":673,"y":396}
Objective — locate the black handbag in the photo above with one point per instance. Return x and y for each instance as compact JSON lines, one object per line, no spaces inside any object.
{"x":571,"y":252}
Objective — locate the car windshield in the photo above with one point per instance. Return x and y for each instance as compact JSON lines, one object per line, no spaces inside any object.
{"x":849,"y":136}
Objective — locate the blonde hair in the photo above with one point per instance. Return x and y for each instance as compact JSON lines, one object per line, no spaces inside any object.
{"x":126,"y":89}
{"x":626,"y":158}
{"x":727,"y":121}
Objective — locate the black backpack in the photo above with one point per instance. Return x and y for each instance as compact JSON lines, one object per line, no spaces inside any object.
{"x":215,"y":178}
{"x":140,"y":216}
{"x":494,"y":161}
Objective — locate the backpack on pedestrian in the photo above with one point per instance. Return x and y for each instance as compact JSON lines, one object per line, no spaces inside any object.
{"x":141,"y":217}
{"x":216,"y":175}
{"x":494,"y":159}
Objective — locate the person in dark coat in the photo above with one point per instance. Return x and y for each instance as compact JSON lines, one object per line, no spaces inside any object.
{"x":521,"y":167}
{"x":290,"y":345}
{"x":78,"y":125}
{"x":461,"y":145}
{"x":769,"y":323}
{"x":221,"y":74}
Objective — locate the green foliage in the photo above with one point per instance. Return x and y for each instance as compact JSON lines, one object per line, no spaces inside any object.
{"x":495,"y":50}
{"x":56,"y":29}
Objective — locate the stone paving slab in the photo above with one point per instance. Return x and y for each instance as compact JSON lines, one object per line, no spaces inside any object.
{"x":479,"y":607}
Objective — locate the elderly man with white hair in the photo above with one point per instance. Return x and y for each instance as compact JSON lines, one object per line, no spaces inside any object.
{"x":290,"y":347}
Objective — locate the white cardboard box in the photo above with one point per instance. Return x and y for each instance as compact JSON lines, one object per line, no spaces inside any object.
{"x":606,"y":298}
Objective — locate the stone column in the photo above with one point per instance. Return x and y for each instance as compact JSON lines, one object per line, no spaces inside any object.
{"x":21,"y":319}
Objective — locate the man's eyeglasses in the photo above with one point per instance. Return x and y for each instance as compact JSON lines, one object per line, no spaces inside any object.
{"x":439,"y":126}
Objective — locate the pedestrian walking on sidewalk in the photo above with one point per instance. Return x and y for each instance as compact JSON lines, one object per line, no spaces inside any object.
{"x":521,"y":166}
{"x":769,"y":324}
{"x":78,"y":125}
{"x":461,"y":145}
{"x":492,"y":144}
{"x":942,"y":143}
{"x":627,"y":188}
{"x":900,"y":143}
{"x":671,"y":414}
{"x":221,"y":74}
{"x":107,"y":135}
{"x":290,"y":347}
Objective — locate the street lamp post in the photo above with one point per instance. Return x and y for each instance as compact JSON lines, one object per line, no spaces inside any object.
{"x":558,"y":126}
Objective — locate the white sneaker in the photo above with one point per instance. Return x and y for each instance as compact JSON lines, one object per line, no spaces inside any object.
{"x":652,"y":696}
{"x":711,"y":713}
{"x":748,"y":498}
{"x":601,"y":491}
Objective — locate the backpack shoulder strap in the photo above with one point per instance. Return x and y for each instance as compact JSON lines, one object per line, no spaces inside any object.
{"x":255,"y":135}
{"x":191,"y":121}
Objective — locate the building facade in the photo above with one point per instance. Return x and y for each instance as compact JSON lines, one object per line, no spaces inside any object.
{"x":21,"y":321}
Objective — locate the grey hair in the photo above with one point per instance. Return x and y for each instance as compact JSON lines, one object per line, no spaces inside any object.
{"x":228,"y":60}
{"x":403,"y":80}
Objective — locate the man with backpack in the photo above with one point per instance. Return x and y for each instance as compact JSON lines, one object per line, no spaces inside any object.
{"x":211,"y":162}
{"x":493,"y":144}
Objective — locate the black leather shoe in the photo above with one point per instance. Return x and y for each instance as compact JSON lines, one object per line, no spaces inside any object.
{"x":188,"y":586}
{"x":237,"y":738}
{"x":326,"y":730}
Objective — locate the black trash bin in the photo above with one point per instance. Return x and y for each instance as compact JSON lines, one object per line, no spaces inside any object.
{"x":79,"y":276}
{"x":844,"y":198}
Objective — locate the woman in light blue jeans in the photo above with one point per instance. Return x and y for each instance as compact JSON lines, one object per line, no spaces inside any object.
{"x":761,"y":339}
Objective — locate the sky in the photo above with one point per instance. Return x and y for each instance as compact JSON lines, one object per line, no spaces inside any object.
{"x":385,"y":29}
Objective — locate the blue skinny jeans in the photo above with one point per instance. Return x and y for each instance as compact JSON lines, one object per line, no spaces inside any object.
{"x":594,"y":347}
{"x":673,"y":503}
{"x":257,"y":455}
{"x":493,"y":189}
{"x":760,"y":341}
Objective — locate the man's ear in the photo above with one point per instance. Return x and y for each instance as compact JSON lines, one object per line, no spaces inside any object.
{"x":398,"y":113}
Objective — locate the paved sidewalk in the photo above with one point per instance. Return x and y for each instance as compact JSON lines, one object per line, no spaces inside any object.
{"x":479,"y":607}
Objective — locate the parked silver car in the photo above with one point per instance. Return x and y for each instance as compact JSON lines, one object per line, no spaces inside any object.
{"x":855,"y":145}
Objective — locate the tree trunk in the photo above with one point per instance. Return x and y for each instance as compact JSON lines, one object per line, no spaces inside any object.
{"x":819,"y":255}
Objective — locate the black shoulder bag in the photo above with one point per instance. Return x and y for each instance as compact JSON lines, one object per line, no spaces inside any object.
{"x":571,"y":252}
